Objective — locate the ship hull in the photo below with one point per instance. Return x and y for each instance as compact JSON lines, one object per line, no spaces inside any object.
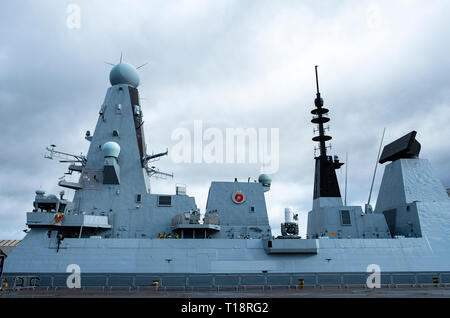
{"x":38,"y":261}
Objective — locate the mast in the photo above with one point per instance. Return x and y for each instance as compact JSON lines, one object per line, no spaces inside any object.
{"x":325,"y":180}
{"x":320,"y":118}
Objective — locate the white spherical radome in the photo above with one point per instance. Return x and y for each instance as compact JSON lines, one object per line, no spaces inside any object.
{"x":124,"y":73}
{"x":265,"y":180}
{"x":111,"y":149}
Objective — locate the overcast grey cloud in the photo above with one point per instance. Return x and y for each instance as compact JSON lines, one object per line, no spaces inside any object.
{"x":230,"y":64}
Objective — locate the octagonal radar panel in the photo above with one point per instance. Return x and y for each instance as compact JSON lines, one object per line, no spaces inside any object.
{"x":124,"y":73}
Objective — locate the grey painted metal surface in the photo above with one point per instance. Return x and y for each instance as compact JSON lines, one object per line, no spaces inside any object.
{"x":121,"y":234}
{"x":6,"y":246}
{"x":410,"y":279}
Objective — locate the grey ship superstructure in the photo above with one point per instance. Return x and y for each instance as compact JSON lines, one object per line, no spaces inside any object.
{"x":120,"y":234}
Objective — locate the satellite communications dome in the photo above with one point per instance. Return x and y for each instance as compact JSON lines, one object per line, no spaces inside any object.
{"x":265,"y":180}
{"x":124,"y":73}
{"x":111,"y":149}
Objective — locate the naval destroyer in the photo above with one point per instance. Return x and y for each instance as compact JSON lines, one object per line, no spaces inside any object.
{"x":116,"y":232}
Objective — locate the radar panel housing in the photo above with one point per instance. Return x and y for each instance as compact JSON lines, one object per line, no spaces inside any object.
{"x":404,"y":147}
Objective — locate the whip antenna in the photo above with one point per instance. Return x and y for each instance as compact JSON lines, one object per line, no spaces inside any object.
{"x":317,"y":80}
{"x":376,"y":165}
{"x":346,"y":167}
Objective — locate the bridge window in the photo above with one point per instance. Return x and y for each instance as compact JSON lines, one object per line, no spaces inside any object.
{"x":164,"y":200}
{"x":345,"y":217}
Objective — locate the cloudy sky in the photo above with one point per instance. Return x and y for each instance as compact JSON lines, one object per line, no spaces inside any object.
{"x":248,"y":64}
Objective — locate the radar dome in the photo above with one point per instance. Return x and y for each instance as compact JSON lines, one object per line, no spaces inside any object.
{"x":111,"y":149}
{"x":124,"y":73}
{"x":40,"y":192}
{"x":265,"y":180}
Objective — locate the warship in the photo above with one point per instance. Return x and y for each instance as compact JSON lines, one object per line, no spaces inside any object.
{"x":116,"y":232}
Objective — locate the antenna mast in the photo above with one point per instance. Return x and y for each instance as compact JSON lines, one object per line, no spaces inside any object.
{"x":320,"y":118}
{"x":346,"y":167}
{"x":325,"y":180}
{"x":376,"y":165}
{"x":317,"y":81}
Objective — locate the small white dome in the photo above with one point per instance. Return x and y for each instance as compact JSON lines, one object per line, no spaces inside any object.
{"x":124,"y":73}
{"x":111,"y":149}
{"x":265,"y":180}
